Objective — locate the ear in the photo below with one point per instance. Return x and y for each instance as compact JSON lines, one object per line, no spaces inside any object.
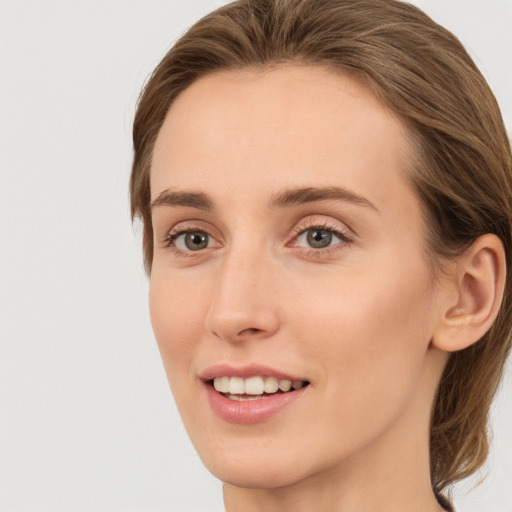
{"x":472,"y":298}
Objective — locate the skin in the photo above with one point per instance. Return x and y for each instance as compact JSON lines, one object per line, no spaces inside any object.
{"x":356,"y":319}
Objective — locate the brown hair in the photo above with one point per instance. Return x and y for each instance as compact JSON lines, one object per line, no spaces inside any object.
{"x":462,"y":158}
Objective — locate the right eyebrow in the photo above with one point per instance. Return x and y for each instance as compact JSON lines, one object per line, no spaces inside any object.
{"x":180,"y":198}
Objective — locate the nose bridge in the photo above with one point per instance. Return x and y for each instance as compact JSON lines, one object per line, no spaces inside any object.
{"x":242,"y":305}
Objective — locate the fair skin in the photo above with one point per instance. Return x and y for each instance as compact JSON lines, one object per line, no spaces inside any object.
{"x":331,"y":288}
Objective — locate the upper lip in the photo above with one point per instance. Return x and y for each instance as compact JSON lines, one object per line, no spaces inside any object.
{"x":245,"y":371}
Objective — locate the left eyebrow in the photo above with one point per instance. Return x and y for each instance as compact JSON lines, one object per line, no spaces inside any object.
{"x":298,"y":196}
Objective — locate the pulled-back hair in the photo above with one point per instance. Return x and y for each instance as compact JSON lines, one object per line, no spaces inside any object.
{"x":461,"y":164}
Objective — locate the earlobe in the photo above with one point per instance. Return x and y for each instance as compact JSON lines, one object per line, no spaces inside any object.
{"x":474,"y":297}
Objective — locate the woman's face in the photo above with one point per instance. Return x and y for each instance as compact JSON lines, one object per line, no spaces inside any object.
{"x":289,"y":247}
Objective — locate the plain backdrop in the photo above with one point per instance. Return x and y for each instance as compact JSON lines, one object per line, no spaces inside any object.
{"x":87,"y":422}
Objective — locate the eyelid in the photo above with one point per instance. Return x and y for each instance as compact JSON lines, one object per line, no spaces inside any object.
{"x":322,"y":223}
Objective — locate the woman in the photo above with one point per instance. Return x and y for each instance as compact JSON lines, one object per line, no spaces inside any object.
{"x":326,"y":192}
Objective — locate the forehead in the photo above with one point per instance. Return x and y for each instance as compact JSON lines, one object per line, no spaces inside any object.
{"x":269,"y":128}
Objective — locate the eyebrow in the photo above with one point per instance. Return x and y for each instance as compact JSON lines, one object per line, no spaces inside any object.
{"x":298,"y":196}
{"x":183,"y":198}
{"x":284,"y":199}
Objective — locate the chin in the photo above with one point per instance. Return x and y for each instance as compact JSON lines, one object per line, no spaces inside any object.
{"x":256,"y":477}
{"x":250,"y":470}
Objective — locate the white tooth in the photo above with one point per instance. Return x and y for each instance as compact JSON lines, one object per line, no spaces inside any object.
{"x":221,"y":384}
{"x":236,"y":386}
{"x":271,"y":385}
{"x":296,"y":384}
{"x":254,"y":386}
{"x":285,"y":385}
{"x":244,"y":398}
{"x":225,"y":384}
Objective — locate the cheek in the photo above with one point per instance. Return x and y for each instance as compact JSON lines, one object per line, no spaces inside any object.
{"x":377,"y":310}
{"x":176,"y":310}
{"x":370,"y":334}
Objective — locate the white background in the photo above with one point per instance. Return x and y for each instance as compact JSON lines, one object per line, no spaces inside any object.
{"x":87,"y":422}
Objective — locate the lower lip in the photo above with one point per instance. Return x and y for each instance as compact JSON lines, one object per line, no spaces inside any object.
{"x":250,"y":411}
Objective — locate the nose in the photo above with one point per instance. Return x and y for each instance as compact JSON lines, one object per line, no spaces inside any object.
{"x":244,"y":303}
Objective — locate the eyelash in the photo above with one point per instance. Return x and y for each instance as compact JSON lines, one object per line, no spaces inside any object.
{"x":345,"y":238}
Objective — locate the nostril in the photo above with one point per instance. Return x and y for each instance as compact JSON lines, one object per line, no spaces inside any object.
{"x":249,"y":330}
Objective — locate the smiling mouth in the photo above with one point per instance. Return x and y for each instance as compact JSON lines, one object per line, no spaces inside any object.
{"x":254,"y":388}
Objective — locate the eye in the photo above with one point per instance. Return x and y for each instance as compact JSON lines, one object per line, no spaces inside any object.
{"x":186,"y":241}
{"x":318,"y":238}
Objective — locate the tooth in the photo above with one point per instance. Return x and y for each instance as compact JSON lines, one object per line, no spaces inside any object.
{"x":254,"y":386}
{"x":285,"y":385}
{"x":271,"y":385}
{"x":225,"y":384}
{"x":236,"y":386}
{"x":221,"y":384}
{"x":244,"y":398}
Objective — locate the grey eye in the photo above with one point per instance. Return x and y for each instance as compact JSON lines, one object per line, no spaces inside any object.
{"x":193,"y":240}
{"x":317,"y":238}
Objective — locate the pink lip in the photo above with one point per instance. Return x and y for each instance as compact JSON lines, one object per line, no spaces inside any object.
{"x":251,"y":411}
{"x":226,"y":370}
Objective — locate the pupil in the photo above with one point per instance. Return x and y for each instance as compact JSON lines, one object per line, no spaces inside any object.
{"x":319,"y":238}
{"x":196,"y":240}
